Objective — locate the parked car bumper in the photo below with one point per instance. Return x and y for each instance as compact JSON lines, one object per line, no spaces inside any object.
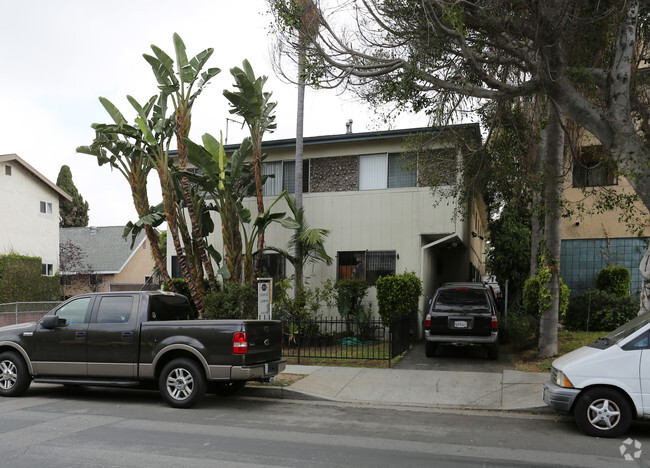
{"x":559,"y":398}
{"x":493,"y":338}
{"x":256,"y":372}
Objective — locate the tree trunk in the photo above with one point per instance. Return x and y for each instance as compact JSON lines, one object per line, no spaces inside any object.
{"x":232,"y":240}
{"x":256,"y":138}
{"x":300,"y":116}
{"x":554,"y":156}
{"x":536,"y":233}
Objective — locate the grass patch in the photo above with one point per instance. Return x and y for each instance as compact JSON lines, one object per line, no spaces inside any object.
{"x":527,"y":361}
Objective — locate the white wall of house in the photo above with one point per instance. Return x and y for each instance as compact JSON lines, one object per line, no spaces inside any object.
{"x":24,"y":229}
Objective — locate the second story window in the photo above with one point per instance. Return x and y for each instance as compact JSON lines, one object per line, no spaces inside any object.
{"x":46,"y":208}
{"x":284,"y":177}
{"x":8,"y":170}
{"x":594,"y":168}
{"x":380,"y":171}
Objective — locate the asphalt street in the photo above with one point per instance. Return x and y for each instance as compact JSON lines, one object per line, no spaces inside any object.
{"x":68,"y":427}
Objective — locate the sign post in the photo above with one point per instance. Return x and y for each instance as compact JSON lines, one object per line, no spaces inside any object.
{"x":264,"y":298}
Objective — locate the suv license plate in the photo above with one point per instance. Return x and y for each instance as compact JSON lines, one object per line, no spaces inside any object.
{"x":460,"y":324}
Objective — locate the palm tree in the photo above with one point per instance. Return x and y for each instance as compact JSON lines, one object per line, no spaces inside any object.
{"x":308,"y":242}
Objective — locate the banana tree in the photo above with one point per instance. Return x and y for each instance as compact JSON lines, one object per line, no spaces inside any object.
{"x":228,"y":181}
{"x":123,"y":148}
{"x":252,"y":103}
{"x":183,"y":81}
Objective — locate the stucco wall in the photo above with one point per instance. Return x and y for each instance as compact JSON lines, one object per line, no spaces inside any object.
{"x":23,"y":229}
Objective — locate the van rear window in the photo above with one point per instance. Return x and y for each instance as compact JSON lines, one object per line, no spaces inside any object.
{"x":468,"y":299}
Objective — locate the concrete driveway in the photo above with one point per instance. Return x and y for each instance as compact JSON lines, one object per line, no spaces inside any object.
{"x":455,"y":358}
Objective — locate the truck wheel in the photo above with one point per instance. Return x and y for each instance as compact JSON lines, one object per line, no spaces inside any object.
{"x":14,"y":376}
{"x":603,"y":412}
{"x":231,"y":388}
{"x":430,"y":348}
{"x":182,"y":383}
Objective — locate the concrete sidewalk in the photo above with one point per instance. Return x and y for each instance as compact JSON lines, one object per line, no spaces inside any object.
{"x":508,"y":390}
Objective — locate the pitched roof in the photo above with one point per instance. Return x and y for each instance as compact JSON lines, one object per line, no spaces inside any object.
{"x":107,"y":252}
{"x":4,"y":158}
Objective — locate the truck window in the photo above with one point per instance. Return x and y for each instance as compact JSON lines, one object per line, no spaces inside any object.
{"x":163,"y":308}
{"x":115,"y":309}
{"x":74,"y":312}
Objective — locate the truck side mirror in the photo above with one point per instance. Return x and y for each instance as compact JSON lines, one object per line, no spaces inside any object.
{"x":51,"y":321}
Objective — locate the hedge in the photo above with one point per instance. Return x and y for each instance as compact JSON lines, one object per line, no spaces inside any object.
{"x":597,"y":310}
{"x":398,"y":296}
{"x":21,"y":280}
{"x":614,"y":280}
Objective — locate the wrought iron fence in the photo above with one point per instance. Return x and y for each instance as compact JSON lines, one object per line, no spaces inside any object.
{"x":20,"y":312}
{"x":337,"y":338}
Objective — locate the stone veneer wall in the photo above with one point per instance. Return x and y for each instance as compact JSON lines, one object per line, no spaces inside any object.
{"x":336,"y":174}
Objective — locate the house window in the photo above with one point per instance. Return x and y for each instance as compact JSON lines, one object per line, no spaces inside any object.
{"x":47,"y":269}
{"x":176,"y":267}
{"x":380,"y":171}
{"x":594,"y":168}
{"x":8,"y":170}
{"x":46,"y":208}
{"x":367,"y":265}
{"x":66,"y":280}
{"x":95,"y":279}
{"x":272,"y":265}
{"x":284,"y":177}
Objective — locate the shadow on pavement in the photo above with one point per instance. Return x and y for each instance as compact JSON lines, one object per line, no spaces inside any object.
{"x":455,"y":358}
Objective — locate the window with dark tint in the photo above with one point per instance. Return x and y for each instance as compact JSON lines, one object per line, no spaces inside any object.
{"x":471,"y":300}
{"x":115,"y":309}
{"x":163,"y":308}
{"x":74,"y":312}
{"x":367,"y":265}
{"x":594,"y":168}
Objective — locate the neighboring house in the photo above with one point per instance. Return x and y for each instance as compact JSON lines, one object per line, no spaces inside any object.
{"x":381,"y":219}
{"x":593,"y":241}
{"x":108,"y":263}
{"x":29,"y":213}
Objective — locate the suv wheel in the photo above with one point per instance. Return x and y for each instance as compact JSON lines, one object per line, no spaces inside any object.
{"x":603,"y":412}
{"x":430,"y":348}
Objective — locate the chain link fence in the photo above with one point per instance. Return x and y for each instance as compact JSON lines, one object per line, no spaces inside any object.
{"x":23,"y":312}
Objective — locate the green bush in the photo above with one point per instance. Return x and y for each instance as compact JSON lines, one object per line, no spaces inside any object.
{"x":597,"y":310}
{"x":398,"y":296}
{"x":349,"y":294}
{"x":235,"y":301}
{"x":614,"y":280}
{"x":537,"y":297}
{"x":181,"y":288}
{"x":21,"y":280}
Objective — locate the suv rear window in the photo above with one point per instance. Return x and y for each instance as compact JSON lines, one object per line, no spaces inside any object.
{"x":474,"y":300}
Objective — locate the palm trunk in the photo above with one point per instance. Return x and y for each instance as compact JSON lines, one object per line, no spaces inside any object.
{"x":257,"y":167}
{"x":232,"y":240}
{"x":300,"y":117}
{"x":554,"y":156}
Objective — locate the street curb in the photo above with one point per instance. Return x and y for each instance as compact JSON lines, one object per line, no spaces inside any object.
{"x":284,"y":393}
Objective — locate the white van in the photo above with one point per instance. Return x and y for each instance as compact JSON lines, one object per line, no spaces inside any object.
{"x":605,"y":384}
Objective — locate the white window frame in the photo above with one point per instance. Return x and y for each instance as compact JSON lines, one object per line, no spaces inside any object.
{"x":46,"y":208}
{"x":47,"y":269}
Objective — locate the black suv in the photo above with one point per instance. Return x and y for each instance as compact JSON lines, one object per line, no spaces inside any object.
{"x":465,"y":314}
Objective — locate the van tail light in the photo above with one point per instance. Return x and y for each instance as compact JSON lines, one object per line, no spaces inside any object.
{"x":240,"y":343}
{"x":427,"y":321}
{"x":495,"y":324}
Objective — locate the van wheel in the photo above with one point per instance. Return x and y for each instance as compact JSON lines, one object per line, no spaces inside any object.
{"x":14,"y":376}
{"x":182,"y":383}
{"x":603,"y":412}
{"x":226,"y":389}
{"x":430,"y":348}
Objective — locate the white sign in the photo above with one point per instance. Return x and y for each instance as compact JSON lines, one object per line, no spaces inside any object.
{"x":264,"y":298}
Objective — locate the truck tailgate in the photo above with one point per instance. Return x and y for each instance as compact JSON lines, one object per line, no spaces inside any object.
{"x":264,"y":341}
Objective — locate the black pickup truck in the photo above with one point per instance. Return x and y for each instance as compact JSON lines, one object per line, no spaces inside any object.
{"x":134,"y":339}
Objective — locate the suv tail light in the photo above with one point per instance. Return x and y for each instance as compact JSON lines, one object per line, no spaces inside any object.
{"x":427,"y":321}
{"x":240,"y":343}
{"x":495,"y":324}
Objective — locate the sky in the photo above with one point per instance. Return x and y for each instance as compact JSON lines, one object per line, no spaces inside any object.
{"x":60,"y":56}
